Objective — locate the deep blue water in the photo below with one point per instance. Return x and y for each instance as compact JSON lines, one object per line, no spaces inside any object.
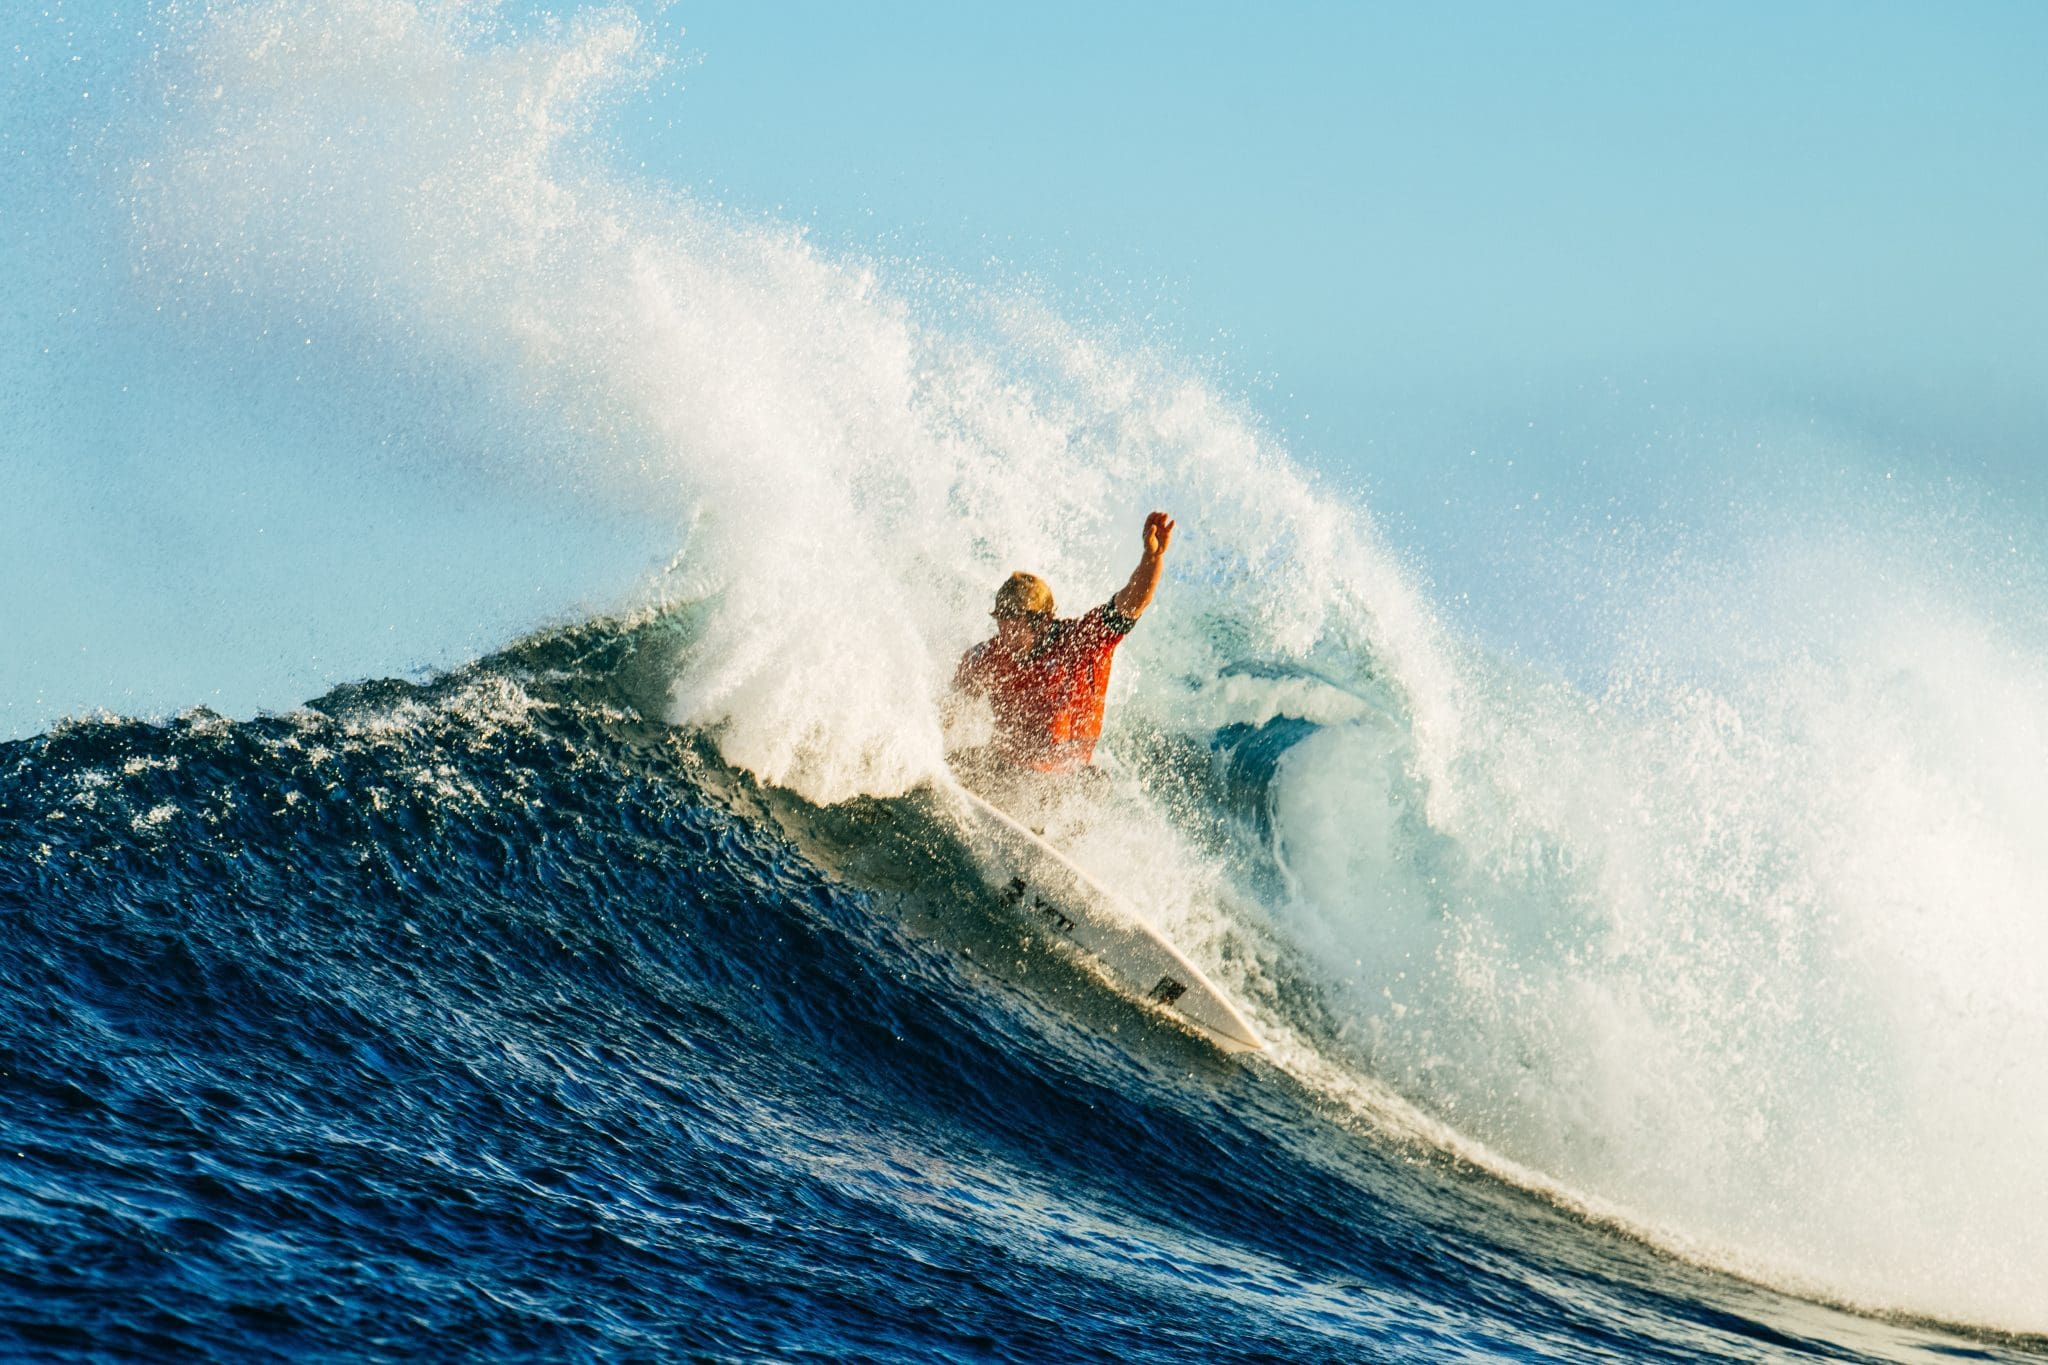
{"x":486,"y":1018}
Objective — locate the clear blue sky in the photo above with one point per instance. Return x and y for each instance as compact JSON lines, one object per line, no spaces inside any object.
{"x":1392,"y":209}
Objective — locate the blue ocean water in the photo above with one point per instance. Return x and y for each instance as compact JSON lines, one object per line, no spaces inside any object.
{"x":1639,"y":897}
{"x":489,"y":1017}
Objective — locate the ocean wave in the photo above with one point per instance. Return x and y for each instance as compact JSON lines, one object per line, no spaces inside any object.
{"x":1735,"y":948}
{"x":428,"y":983}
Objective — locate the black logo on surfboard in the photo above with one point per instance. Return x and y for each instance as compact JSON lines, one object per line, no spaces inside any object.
{"x":1168,"y":990}
{"x":1014,"y":894}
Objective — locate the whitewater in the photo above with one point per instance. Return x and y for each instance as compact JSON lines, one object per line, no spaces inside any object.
{"x":1691,"y":1005}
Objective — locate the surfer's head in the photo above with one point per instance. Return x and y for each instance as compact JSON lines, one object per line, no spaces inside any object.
{"x":1023,"y":595}
{"x":1023,"y":608}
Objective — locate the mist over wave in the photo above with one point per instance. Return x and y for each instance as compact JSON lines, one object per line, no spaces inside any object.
{"x":1750,"y":960}
{"x":846,"y":470}
{"x":1759,"y":962}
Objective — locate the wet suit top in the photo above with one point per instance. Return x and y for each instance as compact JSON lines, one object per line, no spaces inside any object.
{"x":1048,"y":705}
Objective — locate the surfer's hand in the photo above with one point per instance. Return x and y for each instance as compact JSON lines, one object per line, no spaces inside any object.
{"x":1136,"y":595}
{"x":1158,"y":534}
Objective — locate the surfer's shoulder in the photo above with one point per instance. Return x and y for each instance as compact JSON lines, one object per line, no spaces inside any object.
{"x":1107,"y":620}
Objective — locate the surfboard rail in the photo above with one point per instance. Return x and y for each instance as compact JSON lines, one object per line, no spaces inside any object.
{"x":1040,"y":881}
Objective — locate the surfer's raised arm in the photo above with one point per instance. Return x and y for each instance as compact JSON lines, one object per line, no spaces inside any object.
{"x":1136,"y":595}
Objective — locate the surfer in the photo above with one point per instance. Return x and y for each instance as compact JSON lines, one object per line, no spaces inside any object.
{"x":1045,"y":677}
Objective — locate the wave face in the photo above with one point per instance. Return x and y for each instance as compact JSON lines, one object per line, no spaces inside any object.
{"x":493,"y":1016}
{"x":568,"y":958}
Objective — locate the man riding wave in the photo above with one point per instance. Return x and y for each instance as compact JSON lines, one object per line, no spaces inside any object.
{"x":1045,"y":677}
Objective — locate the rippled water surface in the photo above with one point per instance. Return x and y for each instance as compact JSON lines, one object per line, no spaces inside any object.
{"x":488,"y":1018}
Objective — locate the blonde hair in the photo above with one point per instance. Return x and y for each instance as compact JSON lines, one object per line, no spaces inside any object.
{"x":1024,"y":594}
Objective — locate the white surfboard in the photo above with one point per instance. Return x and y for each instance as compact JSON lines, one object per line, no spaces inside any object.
{"x":1037,"y":878}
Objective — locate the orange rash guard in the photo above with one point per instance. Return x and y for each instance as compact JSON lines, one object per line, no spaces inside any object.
{"x":1048,"y":705}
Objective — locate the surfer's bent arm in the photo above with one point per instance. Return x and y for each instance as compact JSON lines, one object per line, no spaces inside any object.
{"x":1136,"y":595}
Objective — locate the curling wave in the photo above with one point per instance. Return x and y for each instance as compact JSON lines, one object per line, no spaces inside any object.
{"x":1744,"y":957}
